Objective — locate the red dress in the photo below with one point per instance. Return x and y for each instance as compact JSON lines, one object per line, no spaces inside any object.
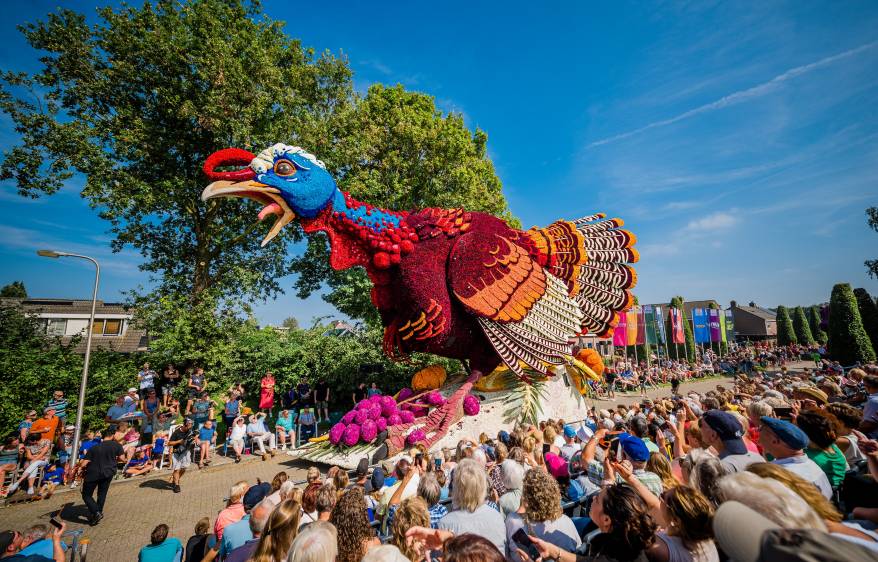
{"x":266,"y":396}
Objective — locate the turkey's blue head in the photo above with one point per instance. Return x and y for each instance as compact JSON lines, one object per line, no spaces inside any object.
{"x":287,"y":181}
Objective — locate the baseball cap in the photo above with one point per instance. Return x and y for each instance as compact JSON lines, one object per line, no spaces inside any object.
{"x":503,"y":436}
{"x":789,"y":433}
{"x":132,"y":389}
{"x":728,"y":429}
{"x":557,"y":465}
{"x":569,"y":432}
{"x":6,"y":538}
{"x":377,"y":480}
{"x":634,"y":447}
{"x":255,"y":494}
{"x":70,"y":428}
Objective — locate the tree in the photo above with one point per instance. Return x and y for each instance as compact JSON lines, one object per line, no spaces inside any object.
{"x":848,"y":341}
{"x":814,"y":323}
{"x":136,"y":101}
{"x":16,"y":290}
{"x":785,"y":332}
{"x":872,"y":220}
{"x":686,"y":350}
{"x":801,"y":327}
{"x":291,"y":322}
{"x":868,"y":314}
{"x":402,"y":154}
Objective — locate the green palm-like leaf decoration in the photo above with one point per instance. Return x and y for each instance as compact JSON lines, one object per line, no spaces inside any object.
{"x":524,"y":402}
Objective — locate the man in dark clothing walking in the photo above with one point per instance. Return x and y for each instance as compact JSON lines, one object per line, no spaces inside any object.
{"x":100,"y":467}
{"x":183,"y":442}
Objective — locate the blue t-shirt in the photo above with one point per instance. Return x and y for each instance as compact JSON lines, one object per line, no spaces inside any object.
{"x":54,"y":476}
{"x":42,"y":547}
{"x":235,"y":535}
{"x":205,"y":434}
{"x":285,"y":422}
{"x":164,"y":552}
{"x":88,"y":444}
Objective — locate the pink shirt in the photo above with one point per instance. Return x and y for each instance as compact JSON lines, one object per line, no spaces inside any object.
{"x":229,"y":515}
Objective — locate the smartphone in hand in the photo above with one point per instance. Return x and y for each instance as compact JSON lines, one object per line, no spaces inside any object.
{"x":527,"y":545}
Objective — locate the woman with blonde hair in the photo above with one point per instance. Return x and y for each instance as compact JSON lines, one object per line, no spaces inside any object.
{"x":412,"y":512}
{"x":279,"y":532}
{"x":542,"y":517}
{"x":660,"y":465}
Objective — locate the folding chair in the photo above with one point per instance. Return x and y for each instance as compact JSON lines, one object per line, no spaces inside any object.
{"x":310,"y":425}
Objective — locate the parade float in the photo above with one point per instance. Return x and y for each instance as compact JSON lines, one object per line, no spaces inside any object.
{"x":507,"y":303}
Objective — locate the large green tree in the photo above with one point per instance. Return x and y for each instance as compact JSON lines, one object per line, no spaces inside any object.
{"x":868,"y":314}
{"x":872,"y":221}
{"x":786,"y":334}
{"x":848,"y":341}
{"x":15,"y":289}
{"x":801,"y":327}
{"x":137,"y":100}
{"x":814,"y":322}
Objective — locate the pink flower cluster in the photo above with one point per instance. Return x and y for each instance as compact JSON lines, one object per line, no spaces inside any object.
{"x":369,"y":418}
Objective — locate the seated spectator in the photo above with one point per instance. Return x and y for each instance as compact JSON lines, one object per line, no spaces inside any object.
{"x":542,"y":517}
{"x":258,"y":517}
{"x":850,"y":418}
{"x":286,"y":433}
{"x":120,"y":410}
{"x":722,"y":431}
{"x":307,"y":424}
{"x":279,"y":532}
{"x":570,"y":446}
{"x":327,"y":497}
{"x":202,"y":409}
{"x":633,"y":450}
{"x":200,"y":543}
{"x":236,"y":437}
{"x":318,"y":542}
{"x":140,"y":464}
{"x":25,"y":425}
{"x":160,"y":547}
{"x":430,"y":490}
{"x":411,"y":513}
{"x":234,"y":509}
{"x":771,"y":499}
{"x":12,"y":543}
{"x":204,"y":441}
{"x":259,"y":435}
{"x":37,"y":542}
{"x":822,"y":428}
{"x":513,"y":480}
{"x":385,"y":553}
{"x":461,"y":548}
{"x":10,"y":454}
{"x":276,"y":483}
{"x":869,"y":425}
{"x":36,"y":453}
{"x":659,"y":464}
{"x":469,"y":512}
{"x":786,"y":443}
{"x":354,"y":533}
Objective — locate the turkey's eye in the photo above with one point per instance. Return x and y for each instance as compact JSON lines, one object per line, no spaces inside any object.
{"x":284,"y":168}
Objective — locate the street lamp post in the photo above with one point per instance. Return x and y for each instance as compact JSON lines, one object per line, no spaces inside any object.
{"x":77,"y":434}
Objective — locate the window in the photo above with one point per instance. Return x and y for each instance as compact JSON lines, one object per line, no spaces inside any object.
{"x":56,"y":326}
{"x":107,"y":327}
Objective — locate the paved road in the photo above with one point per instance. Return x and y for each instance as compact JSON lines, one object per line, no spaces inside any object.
{"x":134,"y":507}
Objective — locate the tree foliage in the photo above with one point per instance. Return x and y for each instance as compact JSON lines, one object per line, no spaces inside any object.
{"x":814,"y":322}
{"x":291,"y":322}
{"x":872,"y":221}
{"x":801,"y":327}
{"x":786,"y":334}
{"x":16,"y":290}
{"x":848,"y":341}
{"x":869,"y":315}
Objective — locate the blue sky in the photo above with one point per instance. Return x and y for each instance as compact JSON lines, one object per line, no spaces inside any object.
{"x":739,"y":141}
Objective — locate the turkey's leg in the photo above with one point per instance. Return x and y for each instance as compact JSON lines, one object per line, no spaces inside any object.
{"x":437,"y":423}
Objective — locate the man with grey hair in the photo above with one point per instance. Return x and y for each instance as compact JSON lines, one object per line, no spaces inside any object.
{"x":470,"y":512}
{"x":326,"y":498}
{"x":258,"y":517}
{"x":318,"y":542}
{"x":431,"y":491}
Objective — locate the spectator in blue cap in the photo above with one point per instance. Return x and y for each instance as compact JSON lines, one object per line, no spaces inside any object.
{"x":724,"y":433}
{"x":786,"y":443}
{"x":633,"y":450}
{"x":570,"y":446}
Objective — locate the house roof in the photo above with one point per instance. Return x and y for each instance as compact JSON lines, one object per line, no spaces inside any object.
{"x":763,"y":313}
{"x":67,"y":306}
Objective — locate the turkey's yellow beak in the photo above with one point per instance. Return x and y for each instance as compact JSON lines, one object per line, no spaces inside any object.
{"x":269,"y":197}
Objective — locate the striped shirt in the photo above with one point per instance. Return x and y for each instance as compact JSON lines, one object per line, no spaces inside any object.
{"x":60,"y":407}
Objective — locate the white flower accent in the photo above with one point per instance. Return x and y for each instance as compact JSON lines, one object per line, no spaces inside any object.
{"x":264,"y":161}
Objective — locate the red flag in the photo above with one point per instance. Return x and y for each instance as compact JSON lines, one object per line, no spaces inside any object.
{"x":641,"y":326}
{"x":677,"y":335}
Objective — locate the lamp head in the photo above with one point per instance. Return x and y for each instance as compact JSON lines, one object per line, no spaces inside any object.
{"x":49,"y":253}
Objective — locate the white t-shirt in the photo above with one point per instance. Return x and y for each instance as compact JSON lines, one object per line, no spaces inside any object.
{"x":809,"y":470}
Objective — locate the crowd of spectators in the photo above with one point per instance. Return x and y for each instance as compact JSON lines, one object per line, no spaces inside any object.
{"x":775,"y":465}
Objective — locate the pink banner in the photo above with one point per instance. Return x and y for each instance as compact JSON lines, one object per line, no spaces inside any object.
{"x":620,"y":333}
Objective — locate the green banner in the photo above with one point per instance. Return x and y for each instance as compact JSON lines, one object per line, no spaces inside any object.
{"x":649,"y":321}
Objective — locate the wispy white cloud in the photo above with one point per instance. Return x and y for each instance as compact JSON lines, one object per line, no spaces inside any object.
{"x":720,"y":220}
{"x":741,"y":95}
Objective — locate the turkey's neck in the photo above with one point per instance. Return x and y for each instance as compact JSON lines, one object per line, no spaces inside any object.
{"x":360,"y":234}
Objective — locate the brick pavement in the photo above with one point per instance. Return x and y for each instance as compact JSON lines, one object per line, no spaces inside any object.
{"x":135,"y":506}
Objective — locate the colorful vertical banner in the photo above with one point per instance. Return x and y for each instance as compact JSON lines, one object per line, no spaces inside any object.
{"x":730,"y":325}
{"x":649,"y":324}
{"x":678,"y":336}
{"x":713,"y":322}
{"x":632,"y":326}
{"x":722,"y":326}
{"x":659,"y":319}
{"x":641,"y":326}
{"x":620,"y":332}
{"x":700,"y":327}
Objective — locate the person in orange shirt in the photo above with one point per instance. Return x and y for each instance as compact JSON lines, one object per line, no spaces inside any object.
{"x":46,"y":426}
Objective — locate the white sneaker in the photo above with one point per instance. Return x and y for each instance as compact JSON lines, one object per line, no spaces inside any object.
{"x":11,"y":489}
{"x":30,"y":491}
